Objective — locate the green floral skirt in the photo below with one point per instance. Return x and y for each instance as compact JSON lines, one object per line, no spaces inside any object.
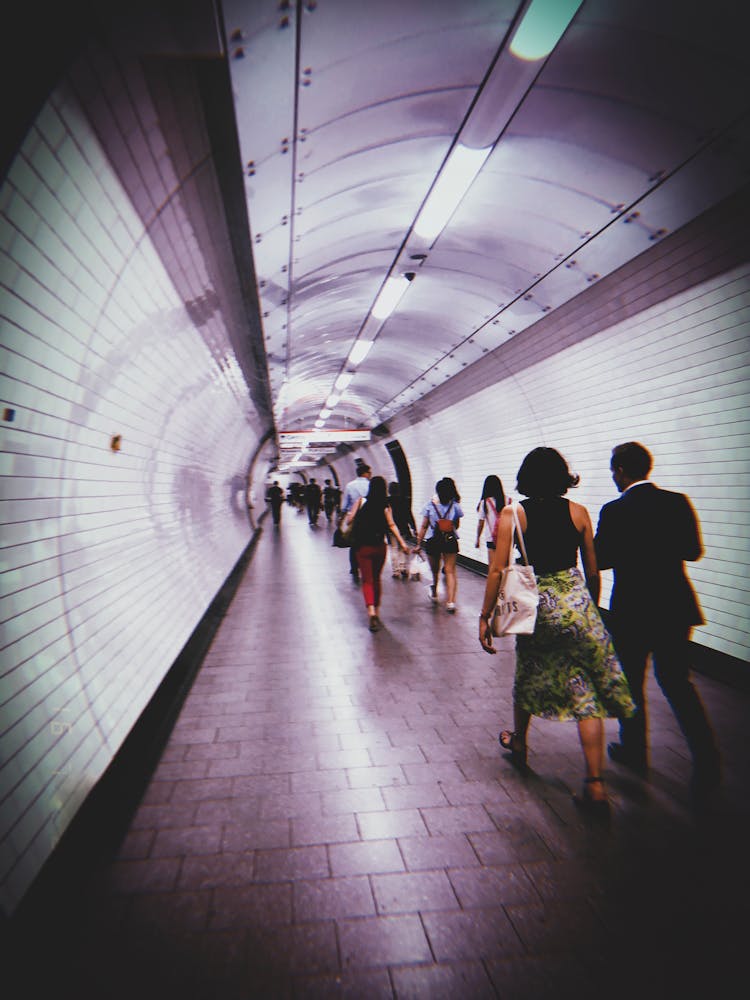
{"x":568,"y":668}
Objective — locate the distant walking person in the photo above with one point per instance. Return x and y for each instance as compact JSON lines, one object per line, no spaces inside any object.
{"x":296,"y":496}
{"x":372,"y":521}
{"x":567,"y":669}
{"x":645,"y":536}
{"x":312,"y":501}
{"x":329,"y":499}
{"x":488,"y":508}
{"x":441,"y":545}
{"x":355,"y":489}
{"x":275,"y":498}
{"x":404,"y":519}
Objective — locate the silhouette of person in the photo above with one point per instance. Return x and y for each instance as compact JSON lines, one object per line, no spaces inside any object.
{"x":296,"y":496}
{"x":275,"y":497}
{"x":312,"y":501}
{"x":329,"y":499}
{"x":645,"y":536}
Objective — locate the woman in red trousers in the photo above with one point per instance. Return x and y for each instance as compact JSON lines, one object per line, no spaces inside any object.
{"x":372,"y":521}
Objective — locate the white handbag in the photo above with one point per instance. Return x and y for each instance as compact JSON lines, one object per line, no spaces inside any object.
{"x":518,"y":596}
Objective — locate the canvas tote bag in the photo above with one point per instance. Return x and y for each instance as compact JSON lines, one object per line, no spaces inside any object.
{"x":518,"y":596}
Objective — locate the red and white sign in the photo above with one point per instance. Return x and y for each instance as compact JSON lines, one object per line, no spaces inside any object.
{"x":299,"y":439}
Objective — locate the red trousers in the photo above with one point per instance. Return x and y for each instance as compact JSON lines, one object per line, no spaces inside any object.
{"x":370,"y":559}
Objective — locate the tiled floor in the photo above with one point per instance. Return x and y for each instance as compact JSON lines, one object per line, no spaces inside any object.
{"x":332,"y":817}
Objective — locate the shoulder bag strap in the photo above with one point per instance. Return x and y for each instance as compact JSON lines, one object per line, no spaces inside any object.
{"x":519,"y":534}
{"x":448,"y":509}
{"x":349,"y":519}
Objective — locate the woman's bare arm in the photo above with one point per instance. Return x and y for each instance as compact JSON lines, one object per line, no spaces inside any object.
{"x":421,"y":532}
{"x":394,"y":530}
{"x":582,"y":521}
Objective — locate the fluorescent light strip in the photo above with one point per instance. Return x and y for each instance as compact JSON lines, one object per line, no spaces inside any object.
{"x":390,"y":296}
{"x":343,"y":381}
{"x":454,"y":180}
{"x":542,"y":27}
{"x":359,"y":351}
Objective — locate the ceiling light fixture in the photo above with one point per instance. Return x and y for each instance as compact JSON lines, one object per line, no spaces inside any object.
{"x":359,"y":351}
{"x":542,"y":27}
{"x":454,"y":180}
{"x":390,"y":295}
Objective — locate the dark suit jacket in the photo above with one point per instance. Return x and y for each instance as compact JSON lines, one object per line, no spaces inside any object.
{"x":645,"y":536}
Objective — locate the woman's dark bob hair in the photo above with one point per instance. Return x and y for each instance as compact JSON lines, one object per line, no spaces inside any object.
{"x":545,"y":473}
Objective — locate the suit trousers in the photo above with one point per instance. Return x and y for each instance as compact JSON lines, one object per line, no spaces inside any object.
{"x":670,"y":652}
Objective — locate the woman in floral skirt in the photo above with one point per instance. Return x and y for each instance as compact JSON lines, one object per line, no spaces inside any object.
{"x":568,"y":668}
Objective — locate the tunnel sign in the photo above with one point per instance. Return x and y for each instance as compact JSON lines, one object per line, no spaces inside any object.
{"x":299,"y":439}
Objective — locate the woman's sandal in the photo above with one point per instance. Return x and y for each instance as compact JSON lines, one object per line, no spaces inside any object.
{"x":510,"y":742}
{"x":598,"y":808}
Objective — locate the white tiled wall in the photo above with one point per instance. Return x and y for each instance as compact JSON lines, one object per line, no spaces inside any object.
{"x":109,"y":559}
{"x":674,"y":377}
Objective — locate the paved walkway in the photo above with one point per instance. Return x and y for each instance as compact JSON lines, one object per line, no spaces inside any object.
{"x":332,"y":817}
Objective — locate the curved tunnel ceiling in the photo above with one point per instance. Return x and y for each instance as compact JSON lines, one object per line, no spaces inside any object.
{"x":347,"y":112}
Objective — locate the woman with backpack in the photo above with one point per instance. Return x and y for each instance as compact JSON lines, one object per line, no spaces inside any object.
{"x":440,"y":518}
{"x":372,"y":521}
{"x":488,"y":508}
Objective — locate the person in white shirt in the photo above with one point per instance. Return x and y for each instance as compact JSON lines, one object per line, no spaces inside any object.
{"x":357,"y":488}
{"x":489,"y":507}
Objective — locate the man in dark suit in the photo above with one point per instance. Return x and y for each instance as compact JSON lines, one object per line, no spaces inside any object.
{"x":645,"y":536}
{"x":275,"y":496}
{"x":312,"y":501}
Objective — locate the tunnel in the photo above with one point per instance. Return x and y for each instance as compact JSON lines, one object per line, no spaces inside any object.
{"x":252,"y":241}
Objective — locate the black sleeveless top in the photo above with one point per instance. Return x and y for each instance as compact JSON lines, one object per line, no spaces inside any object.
{"x":551,"y":538}
{"x":370,"y":526}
